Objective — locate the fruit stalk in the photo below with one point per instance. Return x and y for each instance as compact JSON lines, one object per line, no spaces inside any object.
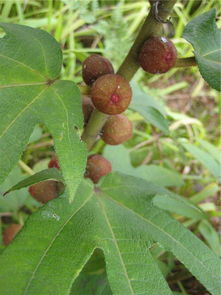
{"x":186,"y":62}
{"x":130,"y":65}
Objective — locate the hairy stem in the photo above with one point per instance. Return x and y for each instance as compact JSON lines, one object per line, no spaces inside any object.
{"x":150,"y":27}
{"x":186,"y":62}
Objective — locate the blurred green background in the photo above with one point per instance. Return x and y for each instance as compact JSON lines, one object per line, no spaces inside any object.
{"x":175,"y":115}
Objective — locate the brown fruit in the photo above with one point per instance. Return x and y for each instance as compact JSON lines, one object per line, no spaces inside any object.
{"x":157,"y":55}
{"x":97,"y":166}
{"x":54,"y":163}
{"x":94,"y":67}
{"x":117,"y":129}
{"x":10,"y":232}
{"x":46,"y":190}
{"x":87,"y":108}
{"x":111,"y":94}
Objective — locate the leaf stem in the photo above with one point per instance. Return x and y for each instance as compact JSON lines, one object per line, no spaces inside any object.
{"x":150,"y":27}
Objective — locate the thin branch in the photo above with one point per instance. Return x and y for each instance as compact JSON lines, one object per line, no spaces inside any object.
{"x":26,"y":168}
{"x":130,"y":65}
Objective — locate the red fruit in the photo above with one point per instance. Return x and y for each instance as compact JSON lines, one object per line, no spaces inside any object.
{"x":157,"y":55}
{"x":10,"y":232}
{"x":94,"y":67}
{"x":111,"y":94}
{"x":87,"y":107}
{"x":46,"y":190}
{"x":117,"y":129}
{"x":97,"y":166}
{"x":54,"y":163}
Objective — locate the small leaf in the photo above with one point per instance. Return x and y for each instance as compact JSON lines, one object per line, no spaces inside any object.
{"x":179,"y":205}
{"x":149,"y":108}
{"x":119,"y":157}
{"x":211,"y":149}
{"x":205,"y":37}
{"x":210,"y":235}
{"x":52,"y":173}
{"x":205,"y":158}
{"x":16,"y":199}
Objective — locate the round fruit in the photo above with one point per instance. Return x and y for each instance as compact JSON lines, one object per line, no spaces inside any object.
{"x":111,"y":94}
{"x":97,"y":166}
{"x":54,"y":163}
{"x":117,"y":129}
{"x":10,"y":232}
{"x":87,"y":108}
{"x":46,"y":190}
{"x":157,"y":55}
{"x":94,"y":67}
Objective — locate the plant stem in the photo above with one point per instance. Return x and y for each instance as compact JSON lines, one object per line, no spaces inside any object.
{"x":25,"y":167}
{"x":130,"y":65}
{"x":186,"y":62}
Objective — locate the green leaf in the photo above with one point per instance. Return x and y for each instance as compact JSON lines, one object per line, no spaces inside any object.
{"x":118,"y":217}
{"x":131,"y":268}
{"x":211,"y":149}
{"x":176,"y":204}
{"x":51,"y":249}
{"x":210,"y":190}
{"x":135,"y":196}
{"x":16,"y":199}
{"x":36,"y":134}
{"x":119,"y":157}
{"x":149,"y":108}
{"x":205,"y":158}
{"x":205,"y":37}
{"x":210,"y":235}
{"x":96,"y":284}
{"x":43,"y":175}
{"x":30,"y":93}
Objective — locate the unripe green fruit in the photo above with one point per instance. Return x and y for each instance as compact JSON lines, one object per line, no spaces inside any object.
{"x":117,"y":129}
{"x":157,"y":55}
{"x":97,"y":166}
{"x":10,"y":232}
{"x":46,"y":190}
{"x":94,"y":67}
{"x":87,"y":108}
{"x":54,"y":163}
{"x":111,"y":94}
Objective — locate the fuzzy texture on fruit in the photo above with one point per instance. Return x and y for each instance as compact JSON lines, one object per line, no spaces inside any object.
{"x":97,"y":166}
{"x":94,"y":67}
{"x":157,"y":55}
{"x":54,"y":163}
{"x":10,"y":232}
{"x":111,"y":94}
{"x":46,"y":190}
{"x":117,"y":130}
{"x":87,"y":108}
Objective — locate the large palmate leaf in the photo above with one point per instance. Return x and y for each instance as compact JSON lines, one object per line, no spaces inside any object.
{"x":30,"y":64}
{"x":118,"y":217}
{"x":205,"y":37}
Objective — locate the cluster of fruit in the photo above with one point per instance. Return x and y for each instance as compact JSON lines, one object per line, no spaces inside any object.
{"x":110,"y":94}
